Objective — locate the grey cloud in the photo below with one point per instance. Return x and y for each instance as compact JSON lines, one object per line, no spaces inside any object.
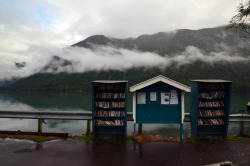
{"x":25,"y":38}
{"x":22,"y":24}
{"x":103,"y":58}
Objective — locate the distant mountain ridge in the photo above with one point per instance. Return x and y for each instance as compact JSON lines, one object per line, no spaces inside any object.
{"x":163,"y":43}
{"x":170,"y":43}
{"x":105,"y":41}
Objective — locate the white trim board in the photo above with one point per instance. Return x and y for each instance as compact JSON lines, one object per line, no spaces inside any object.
{"x":134,"y":107}
{"x":158,"y":79}
{"x":212,"y":81}
{"x":110,"y":81}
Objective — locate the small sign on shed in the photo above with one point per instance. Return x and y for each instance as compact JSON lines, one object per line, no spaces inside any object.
{"x":159,"y":100}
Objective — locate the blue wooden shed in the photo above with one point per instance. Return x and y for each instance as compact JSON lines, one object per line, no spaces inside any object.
{"x":159,"y":100}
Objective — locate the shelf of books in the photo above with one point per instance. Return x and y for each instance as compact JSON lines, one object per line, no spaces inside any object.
{"x":210,"y":107}
{"x":109,"y":110}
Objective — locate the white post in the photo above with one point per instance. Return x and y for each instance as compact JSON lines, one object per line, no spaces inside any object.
{"x":182,"y":107}
{"x":182,"y":114}
{"x":134,"y":106}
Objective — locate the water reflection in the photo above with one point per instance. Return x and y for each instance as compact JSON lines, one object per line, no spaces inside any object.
{"x":50,"y":100}
{"x":10,"y":104}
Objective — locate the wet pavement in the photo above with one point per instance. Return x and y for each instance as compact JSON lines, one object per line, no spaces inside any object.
{"x":71,"y":152}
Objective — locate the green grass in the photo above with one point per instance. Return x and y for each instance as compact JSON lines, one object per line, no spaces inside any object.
{"x":237,"y":138}
{"x":193,"y":141}
{"x":3,"y":136}
{"x":129,"y":138}
{"x":82,"y":137}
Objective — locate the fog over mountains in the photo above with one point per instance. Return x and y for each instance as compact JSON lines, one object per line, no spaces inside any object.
{"x":181,"y":55}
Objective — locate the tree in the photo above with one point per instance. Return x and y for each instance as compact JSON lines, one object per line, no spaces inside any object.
{"x":240,"y":23}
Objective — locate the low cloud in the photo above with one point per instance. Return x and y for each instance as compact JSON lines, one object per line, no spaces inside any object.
{"x":103,"y":58}
{"x":193,"y":54}
{"x":109,"y":58}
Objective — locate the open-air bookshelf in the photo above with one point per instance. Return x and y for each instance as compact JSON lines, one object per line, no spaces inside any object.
{"x":109,"y":110}
{"x":210,"y":107}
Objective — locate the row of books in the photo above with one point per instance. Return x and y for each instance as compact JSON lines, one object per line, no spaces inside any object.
{"x":210,"y":113}
{"x":111,"y":104}
{"x":109,"y":95}
{"x":210,"y":121}
{"x":212,"y":94}
{"x":211,"y":104}
{"x":211,"y":86}
{"x":110,"y":87}
{"x":109,"y":122}
{"x":109,"y":113}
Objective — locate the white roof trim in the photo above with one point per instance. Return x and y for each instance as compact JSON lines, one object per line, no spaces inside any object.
{"x":110,"y":81}
{"x":158,"y":79}
{"x":248,"y":104}
{"x":212,"y":80}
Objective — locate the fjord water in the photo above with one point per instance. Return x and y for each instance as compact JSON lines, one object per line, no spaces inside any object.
{"x":82,"y":101}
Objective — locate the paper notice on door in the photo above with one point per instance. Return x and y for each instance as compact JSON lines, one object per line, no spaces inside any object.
{"x":141,"y":97}
{"x":153,"y":96}
{"x":165,"y":98}
{"x":174,"y":94}
{"x":173,"y":101}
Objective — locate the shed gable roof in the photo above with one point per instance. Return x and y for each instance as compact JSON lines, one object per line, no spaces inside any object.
{"x":158,"y":79}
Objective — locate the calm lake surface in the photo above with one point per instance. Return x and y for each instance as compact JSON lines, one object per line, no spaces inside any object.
{"x":64,"y":101}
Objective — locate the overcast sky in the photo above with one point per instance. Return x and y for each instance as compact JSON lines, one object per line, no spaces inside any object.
{"x":64,"y":22}
{"x":31,"y":30}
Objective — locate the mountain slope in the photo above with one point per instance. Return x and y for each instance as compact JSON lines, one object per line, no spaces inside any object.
{"x":237,"y":72}
{"x":172,"y":43}
{"x":97,"y":40}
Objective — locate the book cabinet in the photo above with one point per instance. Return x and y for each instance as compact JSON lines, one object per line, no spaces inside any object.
{"x":210,"y":107}
{"x":109,"y":109}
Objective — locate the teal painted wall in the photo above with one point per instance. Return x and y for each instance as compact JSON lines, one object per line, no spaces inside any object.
{"x":154,"y":111}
